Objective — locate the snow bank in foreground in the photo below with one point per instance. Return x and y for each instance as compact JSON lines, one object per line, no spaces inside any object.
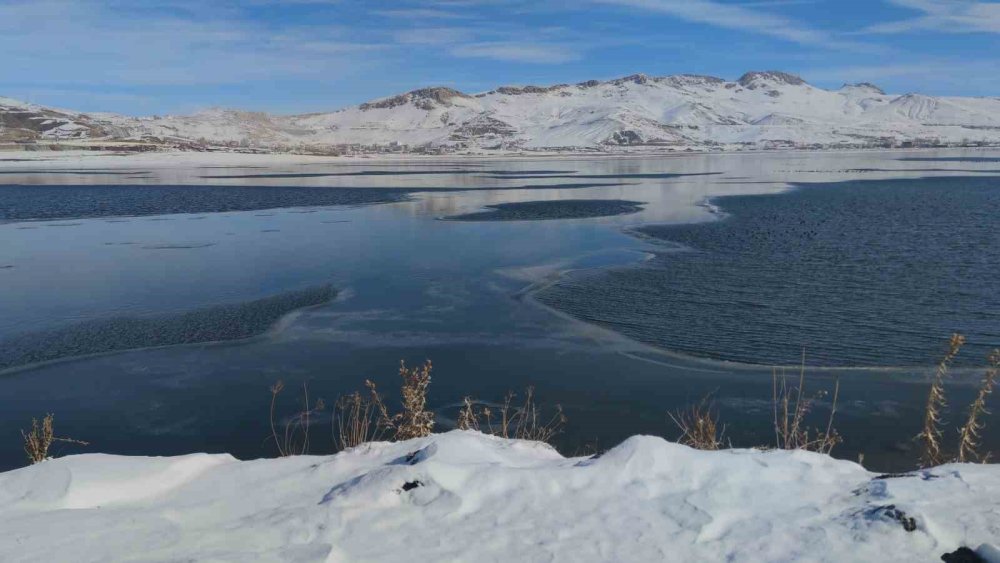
{"x":463,"y":496}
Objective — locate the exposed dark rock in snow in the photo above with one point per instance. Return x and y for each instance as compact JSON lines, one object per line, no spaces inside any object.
{"x":891,"y":512}
{"x":866,"y":86}
{"x":625,"y":137}
{"x":424,"y":98}
{"x":758,"y":79}
{"x":962,"y":555}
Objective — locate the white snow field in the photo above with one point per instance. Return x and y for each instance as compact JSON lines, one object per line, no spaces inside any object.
{"x":763,"y":110}
{"x":464,"y":496}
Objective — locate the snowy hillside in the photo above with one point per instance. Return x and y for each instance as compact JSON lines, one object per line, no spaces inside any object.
{"x":463,"y":496}
{"x":21,"y":122}
{"x":760,"y":110}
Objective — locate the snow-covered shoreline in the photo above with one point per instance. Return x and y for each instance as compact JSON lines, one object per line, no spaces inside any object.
{"x":464,"y":496}
{"x":170,"y":158}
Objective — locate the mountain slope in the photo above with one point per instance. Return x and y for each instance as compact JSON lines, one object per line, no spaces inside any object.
{"x":28,"y":122}
{"x":759,"y":110}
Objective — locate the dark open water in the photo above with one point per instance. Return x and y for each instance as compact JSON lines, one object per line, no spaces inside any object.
{"x":859,"y":273}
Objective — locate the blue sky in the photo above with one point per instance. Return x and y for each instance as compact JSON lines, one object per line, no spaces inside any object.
{"x":159,"y":56}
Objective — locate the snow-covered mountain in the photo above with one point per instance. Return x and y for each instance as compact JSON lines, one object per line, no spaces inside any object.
{"x":759,"y":110}
{"x":21,"y":122}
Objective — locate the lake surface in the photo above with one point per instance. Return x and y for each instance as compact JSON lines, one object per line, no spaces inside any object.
{"x":691,"y":275}
{"x":858,"y":273}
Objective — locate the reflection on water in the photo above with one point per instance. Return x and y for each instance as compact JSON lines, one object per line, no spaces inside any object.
{"x":950,"y":159}
{"x":521,"y":174}
{"x":410,"y":286}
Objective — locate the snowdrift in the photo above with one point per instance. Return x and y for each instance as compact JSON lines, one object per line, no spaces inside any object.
{"x":463,"y":496}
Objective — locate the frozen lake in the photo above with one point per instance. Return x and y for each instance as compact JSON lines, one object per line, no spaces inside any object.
{"x":331,"y":272}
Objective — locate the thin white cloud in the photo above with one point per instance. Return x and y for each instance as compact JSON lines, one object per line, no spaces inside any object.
{"x":776,"y":3}
{"x":86,"y":42}
{"x":934,"y":76}
{"x":521,"y":52}
{"x":500,"y":40}
{"x":950,"y":16}
{"x":434,"y":35}
{"x":739,"y":17}
{"x":421,"y":13}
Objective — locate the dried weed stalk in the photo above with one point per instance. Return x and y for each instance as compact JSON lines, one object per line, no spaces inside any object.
{"x":293,"y":439}
{"x":699,"y":426}
{"x":969,"y":434}
{"x":930,"y":436}
{"x":359,"y":419}
{"x":519,"y":421}
{"x":40,"y":438}
{"x":791,"y":405}
{"x":415,"y":421}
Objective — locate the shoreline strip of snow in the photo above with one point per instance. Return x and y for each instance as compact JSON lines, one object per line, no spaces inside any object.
{"x":464,"y":495}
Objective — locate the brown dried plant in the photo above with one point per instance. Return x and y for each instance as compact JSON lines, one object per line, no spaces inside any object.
{"x":791,"y":405}
{"x":468,"y":416}
{"x":969,"y":434}
{"x":40,"y":438}
{"x":414,"y":421}
{"x":523,"y":421}
{"x":699,"y":425}
{"x":293,"y":439}
{"x":930,"y":437}
{"x":359,"y":419}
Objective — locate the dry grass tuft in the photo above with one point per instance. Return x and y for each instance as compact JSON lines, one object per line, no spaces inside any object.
{"x":414,"y":421}
{"x":359,"y":419}
{"x":468,"y":417}
{"x":791,"y":405}
{"x":40,"y":438}
{"x":294,"y":437}
{"x":523,"y":421}
{"x":968,"y":445}
{"x":930,"y":437}
{"x":699,"y":426}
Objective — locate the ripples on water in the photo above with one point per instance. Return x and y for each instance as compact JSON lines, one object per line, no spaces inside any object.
{"x":219,"y":322}
{"x":857,"y":273}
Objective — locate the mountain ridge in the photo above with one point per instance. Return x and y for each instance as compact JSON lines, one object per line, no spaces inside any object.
{"x":759,"y":110}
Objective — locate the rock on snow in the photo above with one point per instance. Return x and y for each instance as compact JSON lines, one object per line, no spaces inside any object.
{"x":463,"y":496}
